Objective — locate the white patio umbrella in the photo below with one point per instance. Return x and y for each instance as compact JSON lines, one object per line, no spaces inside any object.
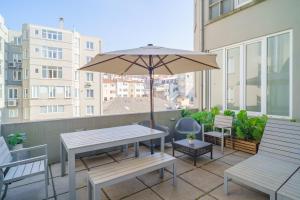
{"x":150,"y":60}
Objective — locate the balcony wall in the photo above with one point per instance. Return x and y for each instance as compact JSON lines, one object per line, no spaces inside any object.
{"x":47,"y":132}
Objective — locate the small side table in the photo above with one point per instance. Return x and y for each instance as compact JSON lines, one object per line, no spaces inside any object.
{"x":194,"y":150}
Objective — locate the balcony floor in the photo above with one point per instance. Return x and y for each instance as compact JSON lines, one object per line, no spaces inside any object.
{"x":205,"y":181}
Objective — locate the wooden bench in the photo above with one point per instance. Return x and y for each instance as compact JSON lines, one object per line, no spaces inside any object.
{"x":118,"y":172}
{"x":277,"y":159}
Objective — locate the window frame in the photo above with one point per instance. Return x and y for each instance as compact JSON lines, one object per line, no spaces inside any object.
{"x":242,"y":46}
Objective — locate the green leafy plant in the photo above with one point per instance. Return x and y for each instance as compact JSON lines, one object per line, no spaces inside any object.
{"x":229,"y":113}
{"x":185,"y":112}
{"x":215,"y":111}
{"x":191,"y":136}
{"x":257,"y":126}
{"x":16,"y":138}
{"x":293,"y":120}
{"x":204,"y":117}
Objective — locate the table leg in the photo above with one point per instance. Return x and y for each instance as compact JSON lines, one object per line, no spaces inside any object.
{"x":72,"y":178}
{"x":211,"y":152}
{"x":62,"y":158}
{"x":162,"y":144}
{"x":137,"y":149}
{"x":195,"y":159}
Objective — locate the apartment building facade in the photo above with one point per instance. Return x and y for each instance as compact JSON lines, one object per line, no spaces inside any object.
{"x":42,"y":77}
{"x":257,"y":43}
{"x":3,"y":39}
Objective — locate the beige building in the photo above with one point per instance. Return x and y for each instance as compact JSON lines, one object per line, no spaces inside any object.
{"x":257,"y":43}
{"x":3,"y":39}
{"x":52,"y":86}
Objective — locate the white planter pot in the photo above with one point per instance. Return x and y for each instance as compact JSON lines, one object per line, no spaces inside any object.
{"x":18,"y":146}
{"x":191,"y":141}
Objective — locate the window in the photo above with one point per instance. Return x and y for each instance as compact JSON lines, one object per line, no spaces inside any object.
{"x":35,"y":92}
{"x":13,"y":113}
{"x":25,"y":53}
{"x":278,"y":75}
{"x":90,"y":110}
{"x":52,"y":72}
{"x":89,"y":93}
{"x":219,"y":7}
{"x":89,"y":45}
{"x":76,"y":75}
{"x":52,"y":52}
{"x":26,"y":73}
{"x":76,"y":92}
{"x":25,"y":95}
{"x":12,"y":93}
{"x":52,"y":109}
{"x":239,"y":3}
{"x":89,"y":76}
{"x":257,"y":76}
{"x":1,"y":91}
{"x":17,"y":75}
{"x":36,"y":32}
{"x":233,"y":78}
{"x":216,"y":89}
{"x":67,"y":92}
{"x":253,"y":77}
{"x":51,"y":35}
{"x":51,"y":91}
{"x":17,"y":41}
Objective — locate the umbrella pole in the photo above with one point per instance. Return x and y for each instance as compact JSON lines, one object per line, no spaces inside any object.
{"x":151,"y":100}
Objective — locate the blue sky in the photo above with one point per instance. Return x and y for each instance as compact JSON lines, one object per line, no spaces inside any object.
{"x":120,"y":24}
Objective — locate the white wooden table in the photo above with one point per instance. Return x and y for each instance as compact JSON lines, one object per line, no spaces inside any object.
{"x":85,"y":141}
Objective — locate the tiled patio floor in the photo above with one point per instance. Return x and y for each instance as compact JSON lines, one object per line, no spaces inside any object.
{"x":205,"y":181}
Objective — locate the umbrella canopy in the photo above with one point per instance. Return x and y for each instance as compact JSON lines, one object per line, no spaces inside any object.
{"x":160,"y":60}
{"x":150,"y":60}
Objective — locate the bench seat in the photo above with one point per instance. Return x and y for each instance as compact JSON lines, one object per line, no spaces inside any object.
{"x":291,"y":189}
{"x":118,"y":172}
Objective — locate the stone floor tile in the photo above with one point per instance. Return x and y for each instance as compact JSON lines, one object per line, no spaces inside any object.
{"x":181,"y":191}
{"x":237,"y":192}
{"x":124,"y":189}
{"x":170,"y":151}
{"x":202,"y":179}
{"x":33,"y":191}
{"x":153,"y":178}
{"x":243,"y":154}
{"x":32,"y":179}
{"x":61,"y":184}
{"x":216,"y":167}
{"x":96,"y":160}
{"x":232,"y":159}
{"x":55,"y":168}
{"x":207,"y":197}
{"x":81,"y":194}
{"x":144,"y":195}
{"x":181,"y":167}
{"x":201,"y":160}
{"x":119,"y":155}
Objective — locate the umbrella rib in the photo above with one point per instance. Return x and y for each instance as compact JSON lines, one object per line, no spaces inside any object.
{"x":160,"y":60}
{"x":126,"y":70}
{"x":102,"y":61}
{"x":135,"y":63}
{"x":157,"y":66}
{"x":196,"y":61}
{"x":144,"y":61}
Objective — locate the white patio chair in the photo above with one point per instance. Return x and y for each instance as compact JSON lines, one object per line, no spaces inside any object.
{"x":12,"y":170}
{"x":222,"y":123}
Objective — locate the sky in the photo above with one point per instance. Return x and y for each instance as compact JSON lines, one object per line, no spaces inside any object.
{"x":120,"y":24}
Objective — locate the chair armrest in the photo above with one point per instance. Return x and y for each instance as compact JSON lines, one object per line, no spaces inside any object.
{"x":21,"y":162}
{"x":43,"y":146}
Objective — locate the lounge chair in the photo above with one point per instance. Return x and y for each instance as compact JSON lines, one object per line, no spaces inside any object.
{"x":277,"y":159}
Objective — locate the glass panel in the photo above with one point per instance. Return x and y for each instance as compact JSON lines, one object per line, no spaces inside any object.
{"x":214,"y":11}
{"x":278,"y":61}
{"x":253,"y":77}
{"x":233,"y":78}
{"x":227,"y":6}
{"x":217,"y":82}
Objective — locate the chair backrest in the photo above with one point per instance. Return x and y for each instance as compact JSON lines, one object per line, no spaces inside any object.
{"x":222,"y":121}
{"x":281,"y":139}
{"x":4,"y":152}
{"x":187,"y":124}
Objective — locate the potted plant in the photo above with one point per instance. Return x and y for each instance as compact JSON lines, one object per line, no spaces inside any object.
{"x":191,"y":137}
{"x":16,"y":140}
